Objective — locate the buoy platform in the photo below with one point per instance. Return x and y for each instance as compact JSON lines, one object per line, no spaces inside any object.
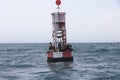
{"x":62,"y":56}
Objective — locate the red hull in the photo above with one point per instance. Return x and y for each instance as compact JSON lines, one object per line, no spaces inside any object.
{"x":59,"y":56}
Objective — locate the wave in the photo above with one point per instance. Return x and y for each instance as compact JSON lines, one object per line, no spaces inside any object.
{"x":103,"y":50}
{"x":114,"y":77}
{"x":14,"y":49}
{"x":22,"y":66}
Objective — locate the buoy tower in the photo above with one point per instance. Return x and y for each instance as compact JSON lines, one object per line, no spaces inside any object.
{"x":59,"y":50}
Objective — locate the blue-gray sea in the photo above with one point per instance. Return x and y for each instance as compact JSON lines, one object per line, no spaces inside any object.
{"x":92,"y":61}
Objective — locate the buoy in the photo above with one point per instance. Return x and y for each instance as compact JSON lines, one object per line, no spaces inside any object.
{"x":59,"y":49}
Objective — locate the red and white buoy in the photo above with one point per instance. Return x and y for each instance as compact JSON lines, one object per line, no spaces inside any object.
{"x":59,"y":50}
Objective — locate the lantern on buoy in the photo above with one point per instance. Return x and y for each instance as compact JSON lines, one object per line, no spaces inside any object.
{"x":58,"y":2}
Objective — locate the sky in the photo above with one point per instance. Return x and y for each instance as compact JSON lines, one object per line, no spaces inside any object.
{"x":30,"y":21}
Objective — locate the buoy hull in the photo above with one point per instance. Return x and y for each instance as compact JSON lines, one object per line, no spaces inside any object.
{"x":59,"y":57}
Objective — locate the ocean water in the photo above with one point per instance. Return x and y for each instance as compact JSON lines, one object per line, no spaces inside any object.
{"x":92,"y":61}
